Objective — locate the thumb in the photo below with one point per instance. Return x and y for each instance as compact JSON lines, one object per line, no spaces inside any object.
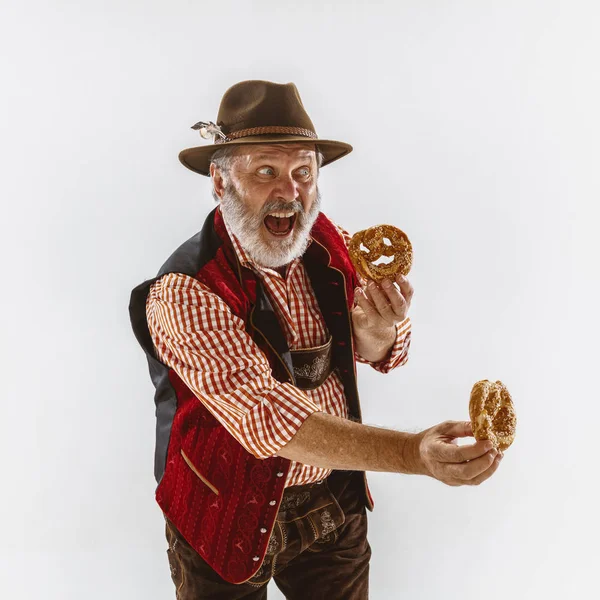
{"x":456,"y":428}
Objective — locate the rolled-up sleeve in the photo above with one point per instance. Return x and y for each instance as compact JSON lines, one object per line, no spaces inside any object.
{"x":399,"y":353}
{"x":196,"y":334}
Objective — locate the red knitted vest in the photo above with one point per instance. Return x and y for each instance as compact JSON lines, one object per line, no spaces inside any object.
{"x":221,"y":498}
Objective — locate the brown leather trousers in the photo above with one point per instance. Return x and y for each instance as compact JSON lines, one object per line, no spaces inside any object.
{"x":318,"y":549}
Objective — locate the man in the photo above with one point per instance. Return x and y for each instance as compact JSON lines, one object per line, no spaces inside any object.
{"x":252,"y":330}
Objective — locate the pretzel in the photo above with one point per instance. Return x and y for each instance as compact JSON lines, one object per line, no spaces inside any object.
{"x":373,"y":240}
{"x":492,"y":413}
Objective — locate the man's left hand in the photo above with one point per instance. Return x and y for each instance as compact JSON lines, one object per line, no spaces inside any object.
{"x":374,"y":318}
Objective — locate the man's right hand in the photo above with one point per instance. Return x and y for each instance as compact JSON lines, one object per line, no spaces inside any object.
{"x":436,"y":453}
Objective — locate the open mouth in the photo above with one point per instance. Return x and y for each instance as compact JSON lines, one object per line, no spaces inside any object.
{"x":280,"y":223}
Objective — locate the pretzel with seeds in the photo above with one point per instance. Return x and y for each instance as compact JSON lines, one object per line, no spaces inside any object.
{"x":372,"y":239}
{"x":492,"y":414}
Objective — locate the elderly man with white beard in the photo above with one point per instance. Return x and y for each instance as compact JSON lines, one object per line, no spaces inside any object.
{"x":252,"y":330}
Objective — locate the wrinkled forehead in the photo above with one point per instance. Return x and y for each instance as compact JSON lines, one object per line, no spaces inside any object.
{"x":253,"y":152}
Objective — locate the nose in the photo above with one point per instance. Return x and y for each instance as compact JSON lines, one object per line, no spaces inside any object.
{"x":287,"y":188}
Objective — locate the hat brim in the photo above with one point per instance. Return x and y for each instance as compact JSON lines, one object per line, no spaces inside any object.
{"x":198,"y":159}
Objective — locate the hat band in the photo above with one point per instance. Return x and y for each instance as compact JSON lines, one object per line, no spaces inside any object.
{"x":267,"y":129}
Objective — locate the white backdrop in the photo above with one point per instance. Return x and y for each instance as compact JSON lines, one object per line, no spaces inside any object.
{"x":475,"y":127}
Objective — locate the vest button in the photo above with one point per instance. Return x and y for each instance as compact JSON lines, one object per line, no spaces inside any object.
{"x":272,"y":503}
{"x":280,"y":474}
{"x":263,"y":530}
{"x":256,"y":558}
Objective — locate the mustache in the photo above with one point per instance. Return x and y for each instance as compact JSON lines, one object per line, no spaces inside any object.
{"x":277,"y":206}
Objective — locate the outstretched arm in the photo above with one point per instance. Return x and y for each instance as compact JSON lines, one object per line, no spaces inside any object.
{"x":327,"y":441}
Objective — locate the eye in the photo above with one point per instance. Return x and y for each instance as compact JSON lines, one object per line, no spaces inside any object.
{"x":266,"y":169}
{"x":304,"y":171}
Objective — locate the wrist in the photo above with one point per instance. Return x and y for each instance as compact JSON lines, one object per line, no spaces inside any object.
{"x":412,"y":455}
{"x":377,"y":346}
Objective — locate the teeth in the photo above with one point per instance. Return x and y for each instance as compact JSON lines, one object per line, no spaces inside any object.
{"x":281,"y":215}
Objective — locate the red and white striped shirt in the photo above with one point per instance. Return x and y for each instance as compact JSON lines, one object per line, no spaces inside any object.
{"x":196,"y":334}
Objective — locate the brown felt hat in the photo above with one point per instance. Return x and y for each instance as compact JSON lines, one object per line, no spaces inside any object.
{"x":259,"y":112}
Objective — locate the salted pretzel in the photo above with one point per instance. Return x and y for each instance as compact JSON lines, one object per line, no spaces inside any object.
{"x":373,"y":240}
{"x":492,"y":413}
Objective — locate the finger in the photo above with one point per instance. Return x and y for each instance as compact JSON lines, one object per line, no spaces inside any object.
{"x":405,"y":286}
{"x":451,"y":453}
{"x":362,"y":281}
{"x":395,"y":297}
{"x":380,"y":301}
{"x":448,"y":451}
{"x":488,"y":472}
{"x":455,"y":428}
{"x":364,"y":302}
{"x":367,"y":292}
{"x":470,"y":470}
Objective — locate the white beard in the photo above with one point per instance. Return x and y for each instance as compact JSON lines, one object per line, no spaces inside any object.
{"x":249,"y":228}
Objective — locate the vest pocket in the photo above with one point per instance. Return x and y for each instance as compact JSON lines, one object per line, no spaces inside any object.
{"x":201,"y":477}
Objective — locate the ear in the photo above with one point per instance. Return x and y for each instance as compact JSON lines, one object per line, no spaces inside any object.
{"x":217,"y":178}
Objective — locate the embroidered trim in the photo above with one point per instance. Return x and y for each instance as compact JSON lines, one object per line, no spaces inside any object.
{"x":314,"y":370}
{"x":327,"y":523}
{"x":293,"y":501}
{"x":273,"y":543}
